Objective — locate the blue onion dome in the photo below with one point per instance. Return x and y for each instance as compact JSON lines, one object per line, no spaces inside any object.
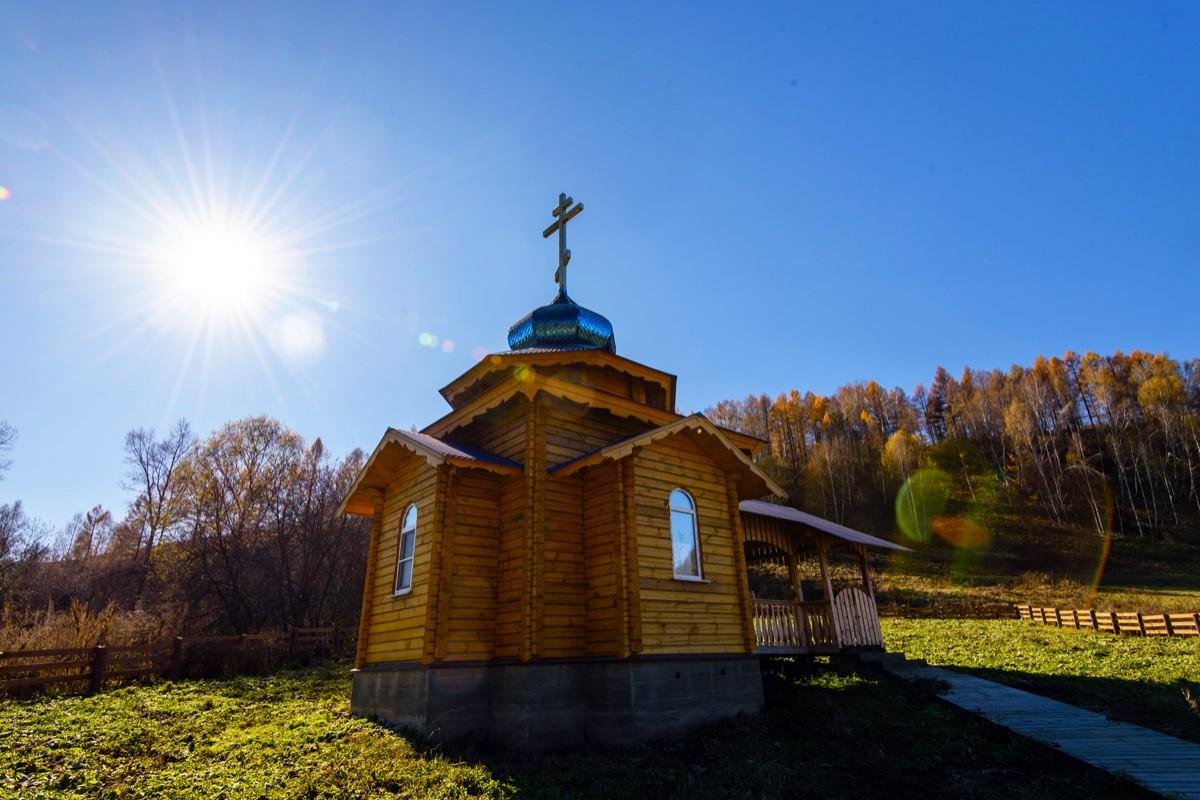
{"x":562,"y":325}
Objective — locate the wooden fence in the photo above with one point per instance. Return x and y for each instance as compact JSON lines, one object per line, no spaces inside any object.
{"x":1131,"y":623}
{"x":90,"y":667}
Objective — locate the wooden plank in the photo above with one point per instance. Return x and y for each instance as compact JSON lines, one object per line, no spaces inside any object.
{"x":60,"y":651}
{"x":40,"y":666}
{"x":1159,"y":762}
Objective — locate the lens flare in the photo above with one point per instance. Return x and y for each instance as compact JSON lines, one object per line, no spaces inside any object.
{"x":920,"y":500}
{"x":961,"y":532}
{"x":5,"y":194}
{"x":1105,"y":546}
{"x":299,"y":337}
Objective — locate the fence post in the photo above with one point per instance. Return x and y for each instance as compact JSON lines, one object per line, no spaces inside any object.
{"x":1167,"y":622}
{"x":1095,"y":622}
{"x":99,"y":665}
{"x":1058,"y":616}
{"x":177,"y":658}
{"x":1141,"y":625}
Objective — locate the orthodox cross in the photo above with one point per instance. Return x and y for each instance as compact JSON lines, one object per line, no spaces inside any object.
{"x":565,"y":213}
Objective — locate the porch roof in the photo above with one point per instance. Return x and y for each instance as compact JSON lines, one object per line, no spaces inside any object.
{"x":789,"y":514}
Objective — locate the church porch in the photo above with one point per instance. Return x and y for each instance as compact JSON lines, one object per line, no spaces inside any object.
{"x":811,"y":585}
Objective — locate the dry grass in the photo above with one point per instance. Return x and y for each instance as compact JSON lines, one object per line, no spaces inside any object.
{"x":924,"y":595}
{"x":78,"y":626}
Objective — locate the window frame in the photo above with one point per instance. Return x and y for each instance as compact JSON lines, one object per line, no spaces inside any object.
{"x":694,"y":513}
{"x":397,"y":591}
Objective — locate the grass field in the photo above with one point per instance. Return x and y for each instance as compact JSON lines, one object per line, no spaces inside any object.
{"x":1150,"y":681}
{"x":290,"y":736}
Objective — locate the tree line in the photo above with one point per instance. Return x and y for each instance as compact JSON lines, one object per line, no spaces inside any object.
{"x":1104,"y":442}
{"x":238,"y":531}
{"x":230,"y":533}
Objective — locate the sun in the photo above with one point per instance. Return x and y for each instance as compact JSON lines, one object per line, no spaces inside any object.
{"x":218,"y":269}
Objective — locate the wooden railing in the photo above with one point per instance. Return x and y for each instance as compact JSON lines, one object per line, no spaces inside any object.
{"x":90,"y":667}
{"x":1131,"y":623}
{"x":787,"y":626}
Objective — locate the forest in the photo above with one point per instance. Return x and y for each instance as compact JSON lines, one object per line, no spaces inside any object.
{"x":237,"y":531}
{"x":1109,"y":444}
{"x":232,"y":533}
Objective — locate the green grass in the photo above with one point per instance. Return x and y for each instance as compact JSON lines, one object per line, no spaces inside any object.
{"x":1147,"y":681}
{"x":824,"y":734}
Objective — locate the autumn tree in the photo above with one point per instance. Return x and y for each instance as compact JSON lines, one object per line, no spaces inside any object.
{"x":153,"y":476}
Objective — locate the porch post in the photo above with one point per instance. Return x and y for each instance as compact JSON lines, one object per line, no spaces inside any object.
{"x":825,"y":571}
{"x":868,"y":587}
{"x":821,"y":547}
{"x":794,"y":576}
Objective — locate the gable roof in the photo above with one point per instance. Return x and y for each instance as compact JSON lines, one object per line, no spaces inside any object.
{"x":695,"y":424}
{"x":821,"y":524}
{"x":589,"y":396}
{"x":359,"y":500}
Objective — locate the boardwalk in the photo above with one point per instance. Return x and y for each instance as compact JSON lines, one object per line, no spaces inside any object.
{"x":1159,"y":762}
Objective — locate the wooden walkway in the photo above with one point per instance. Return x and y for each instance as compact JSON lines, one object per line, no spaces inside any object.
{"x":1159,"y":762}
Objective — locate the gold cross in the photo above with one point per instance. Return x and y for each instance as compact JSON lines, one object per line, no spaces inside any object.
{"x":565,"y":214}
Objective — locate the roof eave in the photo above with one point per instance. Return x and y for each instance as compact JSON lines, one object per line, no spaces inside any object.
{"x":432,"y":457}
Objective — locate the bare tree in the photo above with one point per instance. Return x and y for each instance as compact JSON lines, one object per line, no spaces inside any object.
{"x":8,"y":438}
{"x":154,"y":476}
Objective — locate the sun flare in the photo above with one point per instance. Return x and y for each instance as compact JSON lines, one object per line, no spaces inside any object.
{"x":218,"y":269}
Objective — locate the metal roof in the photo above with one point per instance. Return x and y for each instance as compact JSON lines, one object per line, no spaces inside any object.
{"x":562,"y":323}
{"x":789,"y":514}
{"x":448,"y":450}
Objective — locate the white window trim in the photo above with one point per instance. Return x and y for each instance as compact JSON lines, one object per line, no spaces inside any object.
{"x":694,"y":514}
{"x":399,"y":548}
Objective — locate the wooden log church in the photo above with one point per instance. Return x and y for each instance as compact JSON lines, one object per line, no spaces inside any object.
{"x":563,"y":558}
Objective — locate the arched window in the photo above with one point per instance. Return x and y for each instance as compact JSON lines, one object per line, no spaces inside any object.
{"x":685,"y":541}
{"x":404,"y":554}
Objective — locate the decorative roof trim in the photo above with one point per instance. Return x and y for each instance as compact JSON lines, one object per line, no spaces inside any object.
{"x":587,"y":355}
{"x":624,"y":448}
{"x":576,"y":393}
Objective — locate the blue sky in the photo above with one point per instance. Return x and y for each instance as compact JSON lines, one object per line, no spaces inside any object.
{"x":782,"y":196}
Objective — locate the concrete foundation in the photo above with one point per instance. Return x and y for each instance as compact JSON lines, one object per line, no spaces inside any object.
{"x":550,"y":705}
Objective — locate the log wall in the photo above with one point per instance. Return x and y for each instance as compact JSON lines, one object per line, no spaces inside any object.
{"x":395,"y":629}
{"x":684,"y":616}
